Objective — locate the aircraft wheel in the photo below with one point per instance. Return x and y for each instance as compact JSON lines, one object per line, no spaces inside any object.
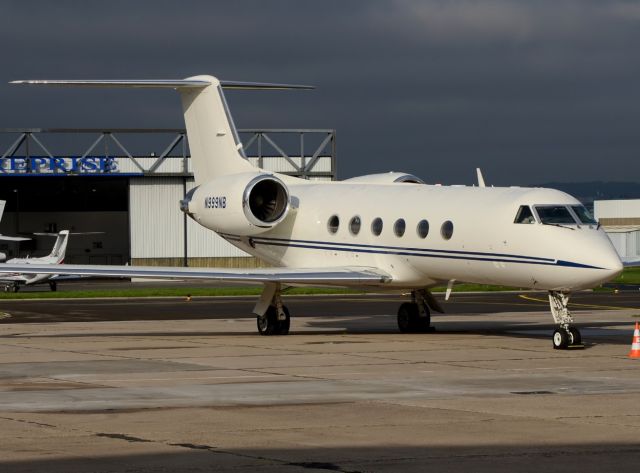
{"x":408,"y":317}
{"x":14,"y":288}
{"x":268,"y":324}
{"x":560,"y":339}
{"x":53,"y":285}
{"x":284,"y":325}
{"x":575,"y":338}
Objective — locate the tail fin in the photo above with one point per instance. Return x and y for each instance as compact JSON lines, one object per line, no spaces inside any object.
{"x":215,"y":147}
{"x":60,"y":246}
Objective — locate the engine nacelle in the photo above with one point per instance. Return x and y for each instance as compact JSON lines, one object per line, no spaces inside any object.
{"x":244,"y":204}
{"x":387,"y":178}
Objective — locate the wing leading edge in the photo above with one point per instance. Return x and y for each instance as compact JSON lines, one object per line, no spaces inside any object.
{"x":338,"y":276}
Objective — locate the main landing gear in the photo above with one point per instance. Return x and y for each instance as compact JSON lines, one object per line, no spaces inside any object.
{"x":273,"y":316}
{"x":415,"y":316}
{"x":564,"y":336}
{"x":11,"y":288}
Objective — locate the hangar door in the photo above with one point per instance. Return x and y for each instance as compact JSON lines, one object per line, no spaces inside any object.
{"x":160,"y":233}
{"x":77,"y":203}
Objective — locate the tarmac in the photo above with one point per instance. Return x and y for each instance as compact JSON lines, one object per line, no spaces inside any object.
{"x":347,"y":393}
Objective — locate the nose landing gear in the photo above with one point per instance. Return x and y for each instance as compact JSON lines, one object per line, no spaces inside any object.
{"x":565,"y":336}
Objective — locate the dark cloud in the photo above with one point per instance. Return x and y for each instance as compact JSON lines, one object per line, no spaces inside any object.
{"x":529,"y":91}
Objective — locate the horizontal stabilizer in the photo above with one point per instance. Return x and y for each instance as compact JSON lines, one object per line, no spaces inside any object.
{"x":10,"y":238}
{"x":153,"y":84}
{"x":68,"y":233}
{"x":338,"y":276}
{"x":162,"y":84}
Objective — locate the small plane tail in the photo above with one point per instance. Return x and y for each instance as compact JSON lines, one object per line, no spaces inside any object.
{"x":60,"y":247}
{"x":216,"y":149}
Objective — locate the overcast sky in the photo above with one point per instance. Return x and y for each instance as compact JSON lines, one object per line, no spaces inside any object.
{"x":530,"y":91}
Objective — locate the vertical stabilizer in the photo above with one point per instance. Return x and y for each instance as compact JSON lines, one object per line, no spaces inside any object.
{"x":214,"y":144}
{"x":60,"y":246}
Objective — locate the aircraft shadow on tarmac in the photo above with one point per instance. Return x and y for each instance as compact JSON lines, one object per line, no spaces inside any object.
{"x":595,"y":333}
{"x":583,"y":457}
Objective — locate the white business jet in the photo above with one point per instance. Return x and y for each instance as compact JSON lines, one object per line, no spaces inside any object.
{"x":379,"y":232}
{"x":14,"y":280}
{"x":6,"y":237}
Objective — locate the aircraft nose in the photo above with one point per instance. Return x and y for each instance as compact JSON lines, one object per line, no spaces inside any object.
{"x":609,"y":261}
{"x":615,"y":266}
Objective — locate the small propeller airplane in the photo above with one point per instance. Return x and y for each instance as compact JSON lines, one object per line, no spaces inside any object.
{"x":5,"y":237}
{"x":378,"y":232}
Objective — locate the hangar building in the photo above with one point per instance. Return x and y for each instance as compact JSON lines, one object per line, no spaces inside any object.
{"x":103,"y":182}
{"x":621,"y":220}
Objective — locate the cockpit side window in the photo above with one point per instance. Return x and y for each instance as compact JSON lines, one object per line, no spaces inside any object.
{"x":583,"y":215}
{"x":555,"y":215}
{"x":524,"y":215}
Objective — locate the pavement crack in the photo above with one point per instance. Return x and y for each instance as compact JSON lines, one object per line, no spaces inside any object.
{"x":322,"y":466}
{"x":194,"y":446}
{"x":128,"y":438}
{"x":30,"y":422}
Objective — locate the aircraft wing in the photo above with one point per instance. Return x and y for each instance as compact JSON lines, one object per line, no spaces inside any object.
{"x":338,"y":276}
{"x":627,"y":263}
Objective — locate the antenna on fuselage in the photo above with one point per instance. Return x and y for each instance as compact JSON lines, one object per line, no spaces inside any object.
{"x":480,"y":178}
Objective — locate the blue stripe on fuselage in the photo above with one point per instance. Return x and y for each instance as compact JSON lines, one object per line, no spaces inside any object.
{"x":408,"y":251}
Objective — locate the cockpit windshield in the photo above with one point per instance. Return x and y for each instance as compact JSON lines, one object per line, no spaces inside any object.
{"x":524,"y":215}
{"x":583,"y":215}
{"x":555,"y":215}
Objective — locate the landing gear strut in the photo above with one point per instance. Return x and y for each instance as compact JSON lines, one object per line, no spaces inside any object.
{"x":273,"y":316}
{"x":415,"y":316}
{"x":565,"y":335}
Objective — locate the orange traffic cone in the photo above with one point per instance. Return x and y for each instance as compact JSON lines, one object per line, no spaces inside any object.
{"x":635,"y":345}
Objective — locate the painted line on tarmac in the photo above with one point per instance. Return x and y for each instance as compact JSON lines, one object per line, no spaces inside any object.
{"x":592,"y":306}
{"x":181,"y":379}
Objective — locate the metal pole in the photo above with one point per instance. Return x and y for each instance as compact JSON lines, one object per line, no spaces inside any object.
{"x":303,"y":161}
{"x":334,"y":169}
{"x":185,"y":261}
{"x":17,"y":211}
{"x":27,"y":152}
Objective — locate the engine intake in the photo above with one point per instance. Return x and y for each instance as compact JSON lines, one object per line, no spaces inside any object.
{"x":265,"y":201}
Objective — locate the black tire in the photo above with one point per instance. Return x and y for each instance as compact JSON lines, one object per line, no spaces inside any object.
{"x":560,"y":339}
{"x":575,"y":338}
{"x":268,"y":323}
{"x":53,"y":286}
{"x":423,"y":322}
{"x":15,"y":288}
{"x":408,"y":315}
{"x":284,"y":325}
